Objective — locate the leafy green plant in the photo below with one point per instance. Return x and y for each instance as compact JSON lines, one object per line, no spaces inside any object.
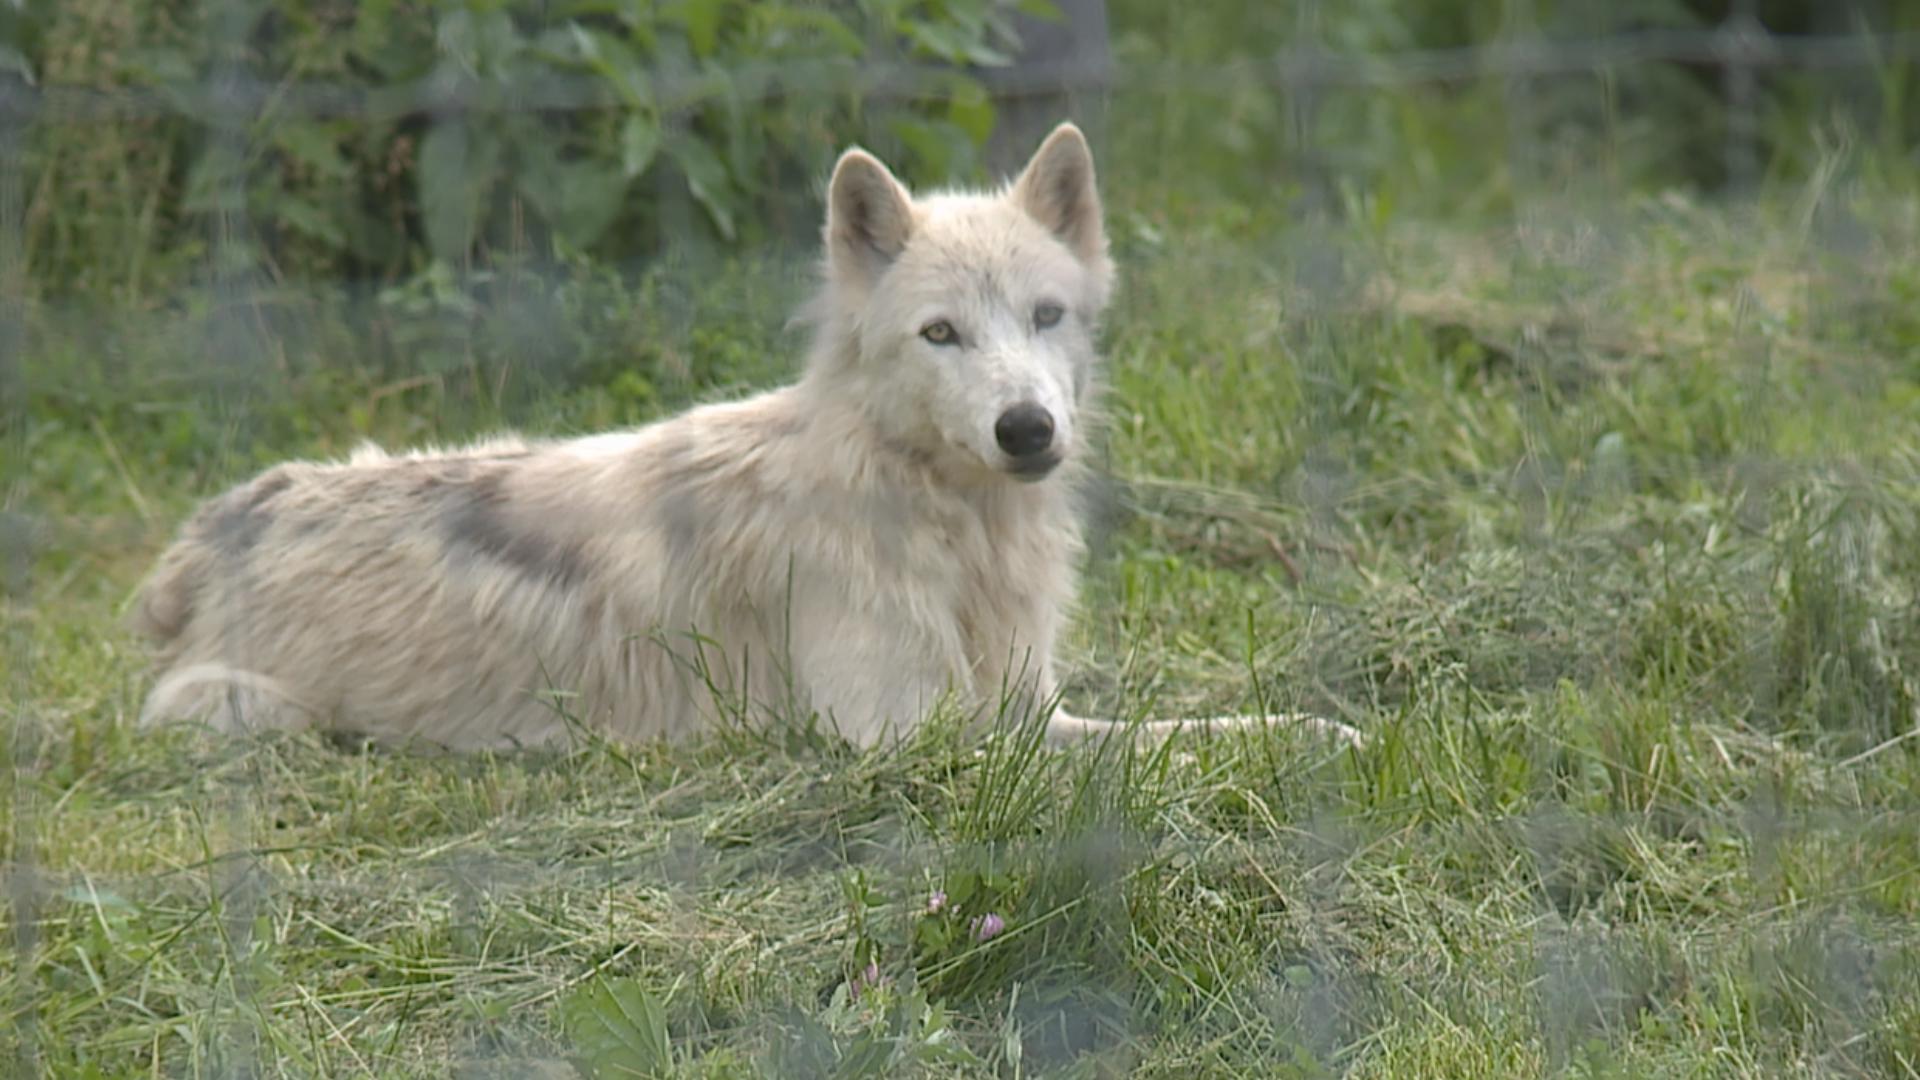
{"x":372,"y":140}
{"x":881,"y":1033}
{"x":618,"y":1029}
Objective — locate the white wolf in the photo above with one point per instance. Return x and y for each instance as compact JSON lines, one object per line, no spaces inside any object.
{"x":896,"y":527}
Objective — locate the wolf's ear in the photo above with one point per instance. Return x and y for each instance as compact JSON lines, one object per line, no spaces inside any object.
{"x":869,"y":217}
{"x":1057,"y":190}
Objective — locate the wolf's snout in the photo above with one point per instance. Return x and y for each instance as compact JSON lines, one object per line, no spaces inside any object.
{"x":1024,"y":430}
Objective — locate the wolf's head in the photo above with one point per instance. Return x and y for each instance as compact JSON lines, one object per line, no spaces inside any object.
{"x":969,"y":319}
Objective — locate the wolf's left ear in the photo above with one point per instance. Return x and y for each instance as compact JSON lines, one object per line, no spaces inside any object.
{"x":869,"y":217}
{"x":1057,"y":190}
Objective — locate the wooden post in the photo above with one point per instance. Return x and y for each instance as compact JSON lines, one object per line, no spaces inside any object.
{"x":1060,"y":74}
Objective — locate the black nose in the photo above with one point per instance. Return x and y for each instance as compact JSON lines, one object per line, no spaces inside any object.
{"x":1024,"y":430}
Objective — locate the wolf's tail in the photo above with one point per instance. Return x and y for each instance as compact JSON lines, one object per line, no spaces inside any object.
{"x":164,"y":604}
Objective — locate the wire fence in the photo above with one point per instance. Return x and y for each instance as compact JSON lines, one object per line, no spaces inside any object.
{"x":234,"y":106}
{"x":1740,"y":49}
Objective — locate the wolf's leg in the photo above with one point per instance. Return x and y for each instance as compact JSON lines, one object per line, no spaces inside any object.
{"x":867,"y":677}
{"x":1062,"y":728}
{"x":867,"y":708}
{"x":226,"y":699}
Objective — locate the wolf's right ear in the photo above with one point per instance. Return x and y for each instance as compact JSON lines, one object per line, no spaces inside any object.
{"x":1057,"y":189}
{"x":869,"y":217}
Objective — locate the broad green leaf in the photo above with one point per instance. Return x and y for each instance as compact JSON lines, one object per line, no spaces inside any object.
{"x":480,"y":41}
{"x":13,"y":60}
{"x":707,"y":180}
{"x":868,"y":1058}
{"x":303,"y":216}
{"x":617,"y":1030}
{"x":456,"y":165}
{"x":615,"y":61}
{"x":941,"y":41}
{"x":971,"y":110}
{"x":455,"y":37}
{"x":960,"y":887}
{"x":639,"y":142}
{"x":313,"y":145}
{"x":933,"y":144}
{"x":825,"y":23}
{"x":985,"y":55}
{"x":579,"y":199}
{"x":933,"y":934}
{"x":702,"y":19}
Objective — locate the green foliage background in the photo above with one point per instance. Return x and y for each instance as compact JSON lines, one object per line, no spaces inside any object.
{"x":369,"y":140}
{"x":321,"y":140}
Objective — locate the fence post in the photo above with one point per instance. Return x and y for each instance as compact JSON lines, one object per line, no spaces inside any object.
{"x":17,"y":100}
{"x":1741,"y":42}
{"x":1061,"y":73}
{"x":1302,"y":72}
{"x":1519,"y":54}
{"x":17,"y":105}
{"x":238,"y":347}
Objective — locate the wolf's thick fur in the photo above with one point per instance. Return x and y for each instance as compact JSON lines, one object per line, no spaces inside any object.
{"x":896,"y":526}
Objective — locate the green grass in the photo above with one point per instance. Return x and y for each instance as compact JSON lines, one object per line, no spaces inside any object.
{"x":1605,"y":529}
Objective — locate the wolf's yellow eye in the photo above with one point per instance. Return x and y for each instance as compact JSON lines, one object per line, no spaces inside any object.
{"x":940,"y":332}
{"x":1047,"y":316}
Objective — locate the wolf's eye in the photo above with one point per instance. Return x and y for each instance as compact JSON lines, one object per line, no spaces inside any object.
{"x":1047,"y":316}
{"x":940,"y":332}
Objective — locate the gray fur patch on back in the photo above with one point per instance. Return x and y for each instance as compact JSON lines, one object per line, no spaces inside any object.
{"x":682,"y":510}
{"x":234,"y":521}
{"x":676,"y":510}
{"x":679,"y":514}
{"x":475,"y":526}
